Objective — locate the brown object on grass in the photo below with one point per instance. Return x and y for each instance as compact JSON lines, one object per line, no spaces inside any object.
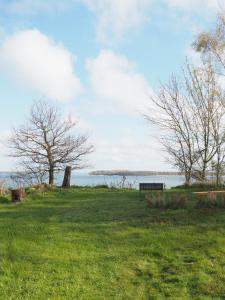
{"x":18,"y":195}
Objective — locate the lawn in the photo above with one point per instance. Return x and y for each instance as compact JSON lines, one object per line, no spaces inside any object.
{"x":106,"y":244}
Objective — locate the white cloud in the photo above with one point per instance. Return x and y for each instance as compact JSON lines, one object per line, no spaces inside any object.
{"x":114,"y":79}
{"x":34,"y":6}
{"x":127,"y":152}
{"x":42,"y":64}
{"x":115,"y":17}
{"x":199,"y":6}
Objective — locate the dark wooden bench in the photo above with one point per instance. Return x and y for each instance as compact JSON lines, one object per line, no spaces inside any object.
{"x":151,"y":187}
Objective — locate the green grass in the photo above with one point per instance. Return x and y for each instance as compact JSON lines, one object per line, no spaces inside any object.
{"x":106,"y":244}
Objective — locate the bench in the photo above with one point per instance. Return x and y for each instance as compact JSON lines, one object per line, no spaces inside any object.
{"x":151,"y":187}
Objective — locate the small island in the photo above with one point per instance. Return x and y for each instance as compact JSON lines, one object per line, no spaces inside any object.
{"x":133,"y":173}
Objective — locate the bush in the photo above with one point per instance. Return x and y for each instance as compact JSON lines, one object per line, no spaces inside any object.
{"x":209,"y":185}
{"x":3,"y":188}
{"x":30,"y":190}
{"x":98,"y":186}
{"x":4,"y":200}
{"x":177,"y":201}
{"x":213,"y":200}
{"x":167,"y":201}
{"x":101,"y":186}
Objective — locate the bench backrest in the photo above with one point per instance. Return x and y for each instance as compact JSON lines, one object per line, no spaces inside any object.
{"x":151,"y":186}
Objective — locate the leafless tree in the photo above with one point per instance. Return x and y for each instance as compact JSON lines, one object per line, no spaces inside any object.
{"x":218,"y":162}
{"x":191,"y":115}
{"x":29,"y":174}
{"x":47,"y":143}
{"x":208,"y":114}
{"x":211,"y":45}
{"x":172,"y":115}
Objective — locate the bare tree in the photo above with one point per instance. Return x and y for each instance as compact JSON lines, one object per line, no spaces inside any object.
{"x":208,"y":114}
{"x":47,"y":144}
{"x":172,"y":115}
{"x":29,"y":174}
{"x":191,"y":115}
{"x":211,"y":45}
{"x":218,"y":162}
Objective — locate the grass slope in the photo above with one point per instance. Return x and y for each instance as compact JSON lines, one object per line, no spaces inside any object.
{"x":105,"y":244}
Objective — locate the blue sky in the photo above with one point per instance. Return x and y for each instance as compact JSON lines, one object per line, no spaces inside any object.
{"x":98,"y":60}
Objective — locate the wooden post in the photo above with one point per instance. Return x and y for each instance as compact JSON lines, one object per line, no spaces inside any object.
{"x":67,"y":177}
{"x":18,"y":195}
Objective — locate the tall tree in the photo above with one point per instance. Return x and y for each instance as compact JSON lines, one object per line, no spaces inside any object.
{"x":172,"y":115}
{"x":48,"y":143}
{"x":208,"y":114}
{"x":211,"y":45}
{"x":191,"y":115}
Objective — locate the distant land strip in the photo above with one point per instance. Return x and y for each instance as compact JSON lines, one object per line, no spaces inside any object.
{"x":134,"y":173}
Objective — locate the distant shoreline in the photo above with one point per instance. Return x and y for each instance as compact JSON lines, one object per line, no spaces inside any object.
{"x":134,"y":173}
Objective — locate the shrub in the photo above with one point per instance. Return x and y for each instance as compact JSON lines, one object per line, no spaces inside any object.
{"x":167,"y":201}
{"x":212,"y":200}
{"x":101,"y":186}
{"x":40,"y":187}
{"x":208,"y":185}
{"x":3,"y":188}
{"x":4,"y":200}
{"x":177,"y":201}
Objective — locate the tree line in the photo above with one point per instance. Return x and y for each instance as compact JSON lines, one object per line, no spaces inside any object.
{"x":190,"y":111}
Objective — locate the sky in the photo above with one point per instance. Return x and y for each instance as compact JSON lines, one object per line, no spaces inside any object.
{"x":98,"y":61}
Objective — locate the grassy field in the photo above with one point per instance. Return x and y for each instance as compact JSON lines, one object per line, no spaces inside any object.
{"x":106,"y":244}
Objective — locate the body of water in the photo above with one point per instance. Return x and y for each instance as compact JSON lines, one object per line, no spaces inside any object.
{"x":117,"y":181}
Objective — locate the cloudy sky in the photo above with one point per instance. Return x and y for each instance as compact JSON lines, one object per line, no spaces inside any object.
{"x":99,"y":60}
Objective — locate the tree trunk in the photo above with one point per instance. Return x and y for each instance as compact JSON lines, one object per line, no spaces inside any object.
{"x":217,"y":180}
{"x":67,"y":177}
{"x":218,"y":175}
{"x":219,"y":169}
{"x":204,"y":179}
{"x":188,"y":178}
{"x":51,"y":176}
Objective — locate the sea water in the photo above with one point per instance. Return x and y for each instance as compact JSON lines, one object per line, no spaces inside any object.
{"x":82,"y":179}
